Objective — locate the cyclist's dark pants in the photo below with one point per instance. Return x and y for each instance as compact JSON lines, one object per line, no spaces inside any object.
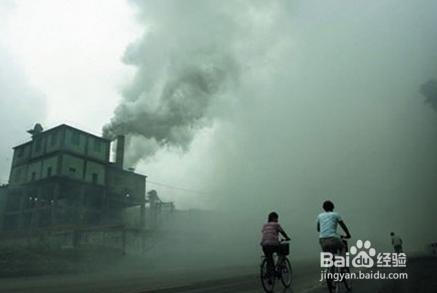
{"x":269,"y":250}
{"x":331,"y":244}
{"x":398,"y":248}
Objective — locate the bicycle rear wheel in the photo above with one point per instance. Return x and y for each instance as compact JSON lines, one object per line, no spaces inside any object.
{"x":346,"y":284}
{"x":267,"y":278}
{"x":286,"y":272}
{"x":330,"y":282}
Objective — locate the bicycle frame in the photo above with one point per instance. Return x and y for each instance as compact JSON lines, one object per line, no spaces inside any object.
{"x":282,"y":270}
{"x":335,"y":284}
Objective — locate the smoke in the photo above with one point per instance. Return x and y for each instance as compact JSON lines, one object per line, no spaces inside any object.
{"x":311,"y":101}
{"x":328,"y":108}
{"x":186,"y":63}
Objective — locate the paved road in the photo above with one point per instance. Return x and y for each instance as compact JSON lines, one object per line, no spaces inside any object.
{"x":422,"y":278}
{"x":234,"y":279}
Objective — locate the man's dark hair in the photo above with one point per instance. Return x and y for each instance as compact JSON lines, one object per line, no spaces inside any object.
{"x":392,"y":233}
{"x":273,"y":217}
{"x":328,"y":206}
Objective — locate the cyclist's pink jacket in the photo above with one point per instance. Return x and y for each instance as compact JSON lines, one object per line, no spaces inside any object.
{"x":270,"y":233}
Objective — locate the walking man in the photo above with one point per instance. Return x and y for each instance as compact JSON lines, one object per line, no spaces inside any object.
{"x":396,"y":241}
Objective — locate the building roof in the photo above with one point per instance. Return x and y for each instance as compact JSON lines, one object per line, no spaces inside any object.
{"x":64,"y":126}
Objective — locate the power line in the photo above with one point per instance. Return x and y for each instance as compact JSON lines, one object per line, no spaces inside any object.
{"x":178,"y":188}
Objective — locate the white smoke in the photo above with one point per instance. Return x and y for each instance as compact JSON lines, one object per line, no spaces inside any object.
{"x":324,"y":106}
{"x":189,"y":60}
{"x":186,"y":62}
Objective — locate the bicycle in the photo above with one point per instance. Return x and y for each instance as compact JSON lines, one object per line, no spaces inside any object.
{"x":282,"y":269}
{"x":336,"y":285}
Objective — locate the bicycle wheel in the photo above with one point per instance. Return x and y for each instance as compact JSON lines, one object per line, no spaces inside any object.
{"x":344,"y":285}
{"x":346,"y":282}
{"x":347,"y":285}
{"x":329,"y":281}
{"x":267,"y":278}
{"x":286,"y":272}
{"x":341,"y":287}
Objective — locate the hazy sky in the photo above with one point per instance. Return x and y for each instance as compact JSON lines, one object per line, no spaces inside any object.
{"x":68,"y":53}
{"x":71,"y":51}
{"x":325,"y":104}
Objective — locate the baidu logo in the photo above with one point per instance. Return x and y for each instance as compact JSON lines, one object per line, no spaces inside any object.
{"x":362,"y":255}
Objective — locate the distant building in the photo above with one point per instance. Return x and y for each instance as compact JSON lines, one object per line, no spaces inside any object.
{"x":63,"y":176}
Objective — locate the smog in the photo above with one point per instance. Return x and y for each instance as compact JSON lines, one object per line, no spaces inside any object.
{"x":326,"y":109}
{"x":236,"y":109}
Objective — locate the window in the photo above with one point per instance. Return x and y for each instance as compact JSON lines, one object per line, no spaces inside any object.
{"x":75,"y":138}
{"x":54,"y":138}
{"x":49,"y":171}
{"x":97,"y":146}
{"x":95,"y":178}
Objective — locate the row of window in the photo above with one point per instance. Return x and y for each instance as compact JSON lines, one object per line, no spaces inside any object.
{"x":72,"y":171}
{"x":75,"y":140}
{"x":94,"y":176}
{"x":49,"y":173}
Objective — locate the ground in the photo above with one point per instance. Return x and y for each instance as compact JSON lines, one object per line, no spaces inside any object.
{"x":421,"y":270}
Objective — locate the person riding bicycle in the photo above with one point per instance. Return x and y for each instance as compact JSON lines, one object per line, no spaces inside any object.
{"x":270,"y":239}
{"x":327,"y":223}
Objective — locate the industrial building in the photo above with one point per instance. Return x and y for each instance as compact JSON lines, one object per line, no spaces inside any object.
{"x":64,"y":176}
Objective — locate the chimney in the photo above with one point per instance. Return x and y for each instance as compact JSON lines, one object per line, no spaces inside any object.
{"x":119,"y":154}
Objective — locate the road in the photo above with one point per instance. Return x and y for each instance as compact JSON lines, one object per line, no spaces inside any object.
{"x":422,"y":278}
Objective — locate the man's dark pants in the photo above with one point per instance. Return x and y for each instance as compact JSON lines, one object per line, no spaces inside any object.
{"x":269,"y":250}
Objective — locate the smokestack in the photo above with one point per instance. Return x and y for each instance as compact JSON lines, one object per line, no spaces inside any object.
{"x":119,"y":155}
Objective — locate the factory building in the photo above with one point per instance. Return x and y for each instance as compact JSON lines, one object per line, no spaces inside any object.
{"x":64,"y":176}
